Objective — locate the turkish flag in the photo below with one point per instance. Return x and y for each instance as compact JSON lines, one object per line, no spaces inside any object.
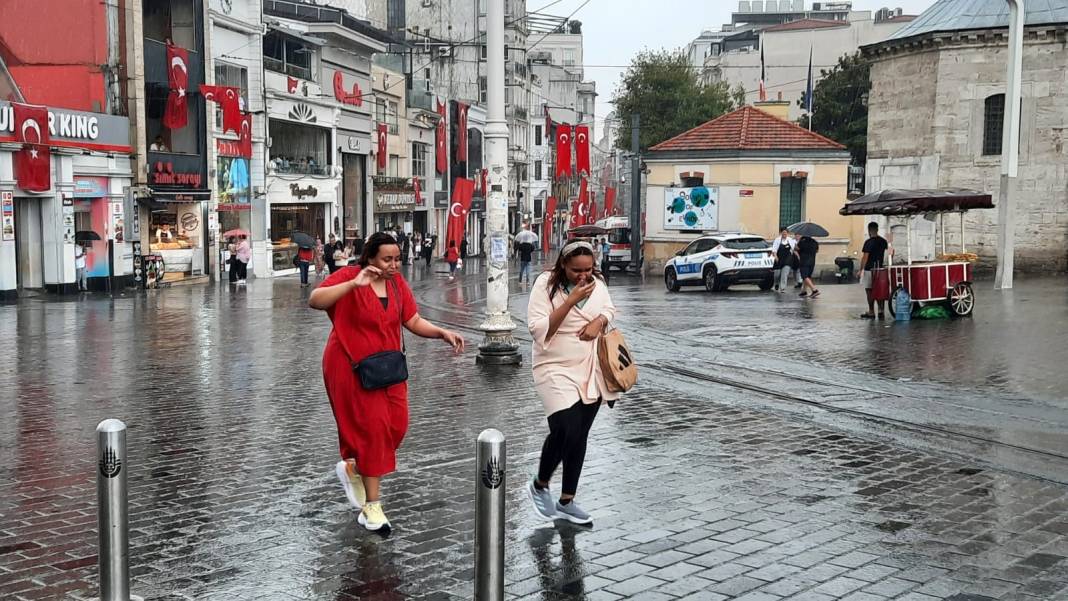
{"x":461,"y":131}
{"x":291,"y":85}
{"x":33,"y":164}
{"x":383,"y":149}
{"x":547,"y":223}
{"x":230,"y":100}
{"x":484,"y":176}
{"x":584,"y":203}
{"x":176,"y":114}
{"x":582,"y":149}
{"x":576,"y":213}
{"x":244,"y":133}
{"x":609,"y":202}
{"x":563,"y":149}
{"x":418,"y":190}
{"x":442,"y":140}
{"x":462,"y":191}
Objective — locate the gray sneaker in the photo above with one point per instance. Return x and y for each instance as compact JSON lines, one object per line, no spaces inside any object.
{"x":572,"y":513}
{"x":544,"y":505}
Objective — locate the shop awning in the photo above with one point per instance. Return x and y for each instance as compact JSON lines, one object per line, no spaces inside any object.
{"x":191,"y":195}
{"x":912,"y":202}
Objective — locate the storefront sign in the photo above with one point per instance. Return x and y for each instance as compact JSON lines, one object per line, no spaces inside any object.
{"x":90,"y":186}
{"x":164,"y":174}
{"x":233,"y":207}
{"x":7,"y":215}
{"x":230,"y":148}
{"x":745,"y":192}
{"x":77,"y":129}
{"x":300,"y":193}
{"x":394,"y":201}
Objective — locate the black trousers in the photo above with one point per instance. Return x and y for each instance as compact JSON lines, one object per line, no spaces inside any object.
{"x":566,"y":443}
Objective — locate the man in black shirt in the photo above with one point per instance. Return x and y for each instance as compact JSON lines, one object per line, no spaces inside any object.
{"x":526,"y":252}
{"x":332,"y":246}
{"x":874,"y":253}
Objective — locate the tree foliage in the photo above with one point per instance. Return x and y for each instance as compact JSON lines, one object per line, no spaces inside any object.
{"x":839,"y":108}
{"x":662,"y":86}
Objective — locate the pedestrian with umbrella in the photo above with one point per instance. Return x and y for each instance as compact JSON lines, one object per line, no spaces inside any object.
{"x":368,"y":305}
{"x":305,"y":255}
{"x":244,"y":255}
{"x":806,"y":250}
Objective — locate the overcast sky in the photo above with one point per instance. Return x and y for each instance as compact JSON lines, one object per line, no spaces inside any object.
{"x":615,"y":30}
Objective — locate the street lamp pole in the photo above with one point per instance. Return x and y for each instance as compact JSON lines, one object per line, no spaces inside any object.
{"x":499,"y":346}
{"x":1010,"y":150}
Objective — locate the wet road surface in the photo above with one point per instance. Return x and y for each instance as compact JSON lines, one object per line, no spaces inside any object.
{"x":700,"y":490}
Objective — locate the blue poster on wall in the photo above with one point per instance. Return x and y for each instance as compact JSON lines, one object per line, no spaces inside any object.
{"x":691,"y":209}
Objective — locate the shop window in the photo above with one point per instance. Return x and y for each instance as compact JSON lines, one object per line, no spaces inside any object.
{"x":299,"y":149}
{"x":286,"y":219}
{"x":233,"y":77}
{"x":171,"y":21}
{"x":232,"y":181}
{"x":287,"y":54}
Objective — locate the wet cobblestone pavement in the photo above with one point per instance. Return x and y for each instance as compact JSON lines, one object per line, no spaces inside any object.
{"x":699,"y":489}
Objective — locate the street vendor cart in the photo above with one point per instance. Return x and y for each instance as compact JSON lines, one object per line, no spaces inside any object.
{"x":948,"y":279}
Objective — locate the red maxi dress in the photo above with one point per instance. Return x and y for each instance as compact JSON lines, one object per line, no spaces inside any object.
{"x":370,"y":423}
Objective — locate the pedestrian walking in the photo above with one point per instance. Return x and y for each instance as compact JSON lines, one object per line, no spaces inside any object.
{"x":305,"y":256}
{"x":606,"y":266}
{"x":783,"y":249}
{"x":81,"y":253}
{"x":464,"y":244}
{"x":569,"y":309}
{"x":872,"y":256}
{"x":367,"y":306}
{"x":526,"y":255}
{"x":806,"y":251}
{"x":406,"y":247}
{"x":320,"y":258}
{"x":428,"y":249}
{"x":231,"y":259}
{"x":333,"y":245}
{"x":452,"y":257}
{"x":243,"y":256}
{"x":795,"y":267}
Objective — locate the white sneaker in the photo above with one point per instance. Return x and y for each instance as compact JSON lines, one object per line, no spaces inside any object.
{"x":352,"y":483}
{"x":373,"y":518}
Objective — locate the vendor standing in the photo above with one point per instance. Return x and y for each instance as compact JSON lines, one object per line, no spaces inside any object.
{"x":872,"y":258}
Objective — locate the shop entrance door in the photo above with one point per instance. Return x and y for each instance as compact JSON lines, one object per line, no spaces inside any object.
{"x":29,"y":244}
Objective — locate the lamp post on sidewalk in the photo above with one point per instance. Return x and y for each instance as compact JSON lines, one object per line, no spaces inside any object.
{"x":498,"y":347}
{"x":1010,"y":150}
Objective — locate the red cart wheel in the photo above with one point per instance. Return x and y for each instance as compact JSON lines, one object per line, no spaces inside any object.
{"x":961,"y":299}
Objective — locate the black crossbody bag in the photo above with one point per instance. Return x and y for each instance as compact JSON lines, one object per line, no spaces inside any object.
{"x":382,"y":370}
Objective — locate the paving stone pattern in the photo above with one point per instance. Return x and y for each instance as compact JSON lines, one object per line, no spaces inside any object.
{"x":233,"y":497}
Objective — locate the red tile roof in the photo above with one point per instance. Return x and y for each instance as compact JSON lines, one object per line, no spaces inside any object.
{"x":748,"y":128}
{"x":802,"y":24}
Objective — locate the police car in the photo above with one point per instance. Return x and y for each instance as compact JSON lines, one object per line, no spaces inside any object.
{"x":716,"y":261}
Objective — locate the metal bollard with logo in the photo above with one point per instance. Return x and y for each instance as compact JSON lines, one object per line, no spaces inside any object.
{"x":112,"y":518}
{"x":489,"y":516}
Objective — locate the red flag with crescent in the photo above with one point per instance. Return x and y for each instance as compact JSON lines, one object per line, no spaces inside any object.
{"x":462,"y":192}
{"x":591,"y":208}
{"x":609,"y":202}
{"x":442,"y":140}
{"x":582,"y":149}
{"x":418,"y":190}
{"x":33,"y":164}
{"x":461,"y":131}
{"x":383,"y":148}
{"x":244,"y":134}
{"x":176,"y":115}
{"x":584,"y":203}
{"x":576,"y":213}
{"x":229,"y":99}
{"x":563,"y":149}
{"x":547,"y":223}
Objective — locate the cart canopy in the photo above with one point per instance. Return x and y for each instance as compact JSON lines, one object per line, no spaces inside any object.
{"x":911,"y":202}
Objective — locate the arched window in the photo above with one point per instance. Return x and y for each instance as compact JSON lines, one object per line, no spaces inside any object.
{"x":993,"y":119}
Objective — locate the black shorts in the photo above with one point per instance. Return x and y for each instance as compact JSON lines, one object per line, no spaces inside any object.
{"x":807,"y":269}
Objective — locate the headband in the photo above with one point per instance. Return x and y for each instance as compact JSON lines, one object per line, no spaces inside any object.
{"x":573,"y":246}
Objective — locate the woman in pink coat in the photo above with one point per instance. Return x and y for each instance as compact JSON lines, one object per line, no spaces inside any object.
{"x":568,"y":311}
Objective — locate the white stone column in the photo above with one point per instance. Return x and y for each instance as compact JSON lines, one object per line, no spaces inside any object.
{"x":498,"y":347}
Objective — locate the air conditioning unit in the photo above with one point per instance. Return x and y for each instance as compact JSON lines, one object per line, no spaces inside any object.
{"x":445,"y":52}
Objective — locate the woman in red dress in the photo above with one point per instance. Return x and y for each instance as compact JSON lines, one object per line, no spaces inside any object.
{"x":367,"y":306}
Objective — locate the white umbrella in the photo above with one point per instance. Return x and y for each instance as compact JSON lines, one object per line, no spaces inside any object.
{"x":526,"y":236}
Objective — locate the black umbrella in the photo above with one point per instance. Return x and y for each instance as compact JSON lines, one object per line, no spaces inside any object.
{"x":86,"y":236}
{"x":807,"y":228}
{"x":302,"y":240}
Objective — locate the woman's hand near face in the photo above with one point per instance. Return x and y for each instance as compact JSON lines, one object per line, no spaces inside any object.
{"x":367,"y":275}
{"x":581,"y":292}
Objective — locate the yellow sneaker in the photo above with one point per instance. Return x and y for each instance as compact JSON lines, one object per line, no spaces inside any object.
{"x":373,"y":518}
{"x":351,"y":482}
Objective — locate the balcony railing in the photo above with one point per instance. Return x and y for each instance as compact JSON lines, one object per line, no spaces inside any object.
{"x":388,"y":183}
{"x":279,"y":165}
